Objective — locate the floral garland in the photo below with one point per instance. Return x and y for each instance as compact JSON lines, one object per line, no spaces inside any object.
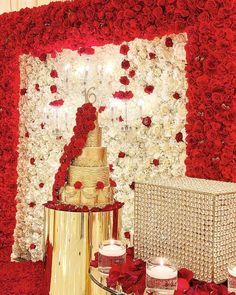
{"x":211,"y":108}
{"x":72,"y":208}
{"x":85,"y":118}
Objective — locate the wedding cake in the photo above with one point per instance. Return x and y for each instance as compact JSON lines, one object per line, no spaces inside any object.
{"x":88,"y":180}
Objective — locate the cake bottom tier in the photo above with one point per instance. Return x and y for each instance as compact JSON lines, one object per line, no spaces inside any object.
{"x":87,"y":196}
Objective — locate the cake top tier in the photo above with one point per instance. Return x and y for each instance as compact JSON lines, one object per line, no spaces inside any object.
{"x":95,"y":136}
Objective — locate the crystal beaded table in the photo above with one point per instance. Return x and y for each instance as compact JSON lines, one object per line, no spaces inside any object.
{"x":189,"y":220}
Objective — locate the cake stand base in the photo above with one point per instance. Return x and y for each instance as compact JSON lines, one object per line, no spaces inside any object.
{"x":71,"y":239}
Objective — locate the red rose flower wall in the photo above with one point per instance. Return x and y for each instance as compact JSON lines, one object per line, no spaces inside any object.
{"x":81,"y":24}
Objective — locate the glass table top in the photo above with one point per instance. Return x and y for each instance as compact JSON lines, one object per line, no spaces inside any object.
{"x":100,"y":280}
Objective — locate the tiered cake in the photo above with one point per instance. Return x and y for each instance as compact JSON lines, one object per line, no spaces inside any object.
{"x":90,"y":172}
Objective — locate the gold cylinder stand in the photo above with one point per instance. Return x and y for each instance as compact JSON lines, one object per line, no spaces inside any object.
{"x":71,"y":239}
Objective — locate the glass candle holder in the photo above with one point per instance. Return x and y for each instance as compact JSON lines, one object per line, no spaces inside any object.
{"x":232,"y":276}
{"x":161,"y":276}
{"x":110,"y":252}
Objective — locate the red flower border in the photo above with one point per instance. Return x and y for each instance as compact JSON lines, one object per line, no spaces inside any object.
{"x":47,"y":29}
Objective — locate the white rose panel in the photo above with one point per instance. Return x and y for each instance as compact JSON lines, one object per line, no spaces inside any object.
{"x":44,"y":130}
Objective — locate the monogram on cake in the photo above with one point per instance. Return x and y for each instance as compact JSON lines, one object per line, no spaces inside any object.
{"x":88,"y":182}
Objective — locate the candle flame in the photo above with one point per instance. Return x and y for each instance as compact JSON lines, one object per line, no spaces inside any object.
{"x":112,"y":242}
{"x":161,"y":262}
{"x":67,"y":66}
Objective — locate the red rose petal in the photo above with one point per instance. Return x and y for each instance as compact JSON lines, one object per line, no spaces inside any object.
{"x":147,"y":121}
{"x":121,"y":155}
{"x":155,"y":162}
{"x":149,"y":89}
{"x":124,"y":49}
{"x":54,"y":74}
{"x":53,"y":88}
{"x":32,"y":204}
{"x":41,"y":185}
{"x":152,"y":55}
{"x":32,"y":246}
{"x":168,"y":42}
{"x":32,"y":161}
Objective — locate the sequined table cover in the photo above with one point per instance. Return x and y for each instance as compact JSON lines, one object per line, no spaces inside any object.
{"x":190,"y":220}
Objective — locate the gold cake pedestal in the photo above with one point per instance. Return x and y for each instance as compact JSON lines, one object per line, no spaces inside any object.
{"x":71,"y":239}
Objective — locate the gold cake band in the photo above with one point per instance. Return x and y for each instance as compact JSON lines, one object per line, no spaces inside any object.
{"x":94,"y":138}
{"x":92,"y":157}
{"x":87,"y":196}
{"x":89,"y":176}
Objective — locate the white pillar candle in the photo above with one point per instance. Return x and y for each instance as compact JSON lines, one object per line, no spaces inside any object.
{"x":112,"y":250}
{"x":162,"y":272}
{"x":232,"y":271}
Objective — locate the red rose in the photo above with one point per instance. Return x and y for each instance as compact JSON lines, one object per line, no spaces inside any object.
{"x":132,"y":185}
{"x":41,"y":185}
{"x":157,"y":12}
{"x":155,"y":162}
{"x":101,"y":109}
{"x":32,"y":161}
{"x":53,"y":88}
{"x":78,"y":185}
{"x":86,"y":50}
{"x":54,"y":74}
{"x":23,"y":91}
{"x":179,"y":137}
{"x":32,"y":246}
{"x":53,"y":54}
{"x":37,"y":87}
{"x":111,"y":168}
{"x":42,"y":125}
{"x":121,"y":155}
{"x":32,"y":204}
{"x":176,"y":95}
{"x":124,"y":49}
{"x":168,"y":42}
{"x":152,"y":55}
{"x":127,"y":235}
{"x":112,"y":183}
{"x":124,"y":80}
{"x":56,"y":103}
{"x":120,"y":119}
{"x":43,"y":57}
{"x":132,"y":73}
{"x":149,"y":89}
{"x":123,"y":95}
{"x":27,"y":134}
{"x":125,"y":64}
{"x":100,"y":185}
{"x":147,"y":121}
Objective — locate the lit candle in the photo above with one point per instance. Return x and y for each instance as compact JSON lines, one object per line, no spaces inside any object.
{"x":140,"y":104}
{"x":161,"y":276}
{"x":232,"y":271}
{"x":232,"y":277}
{"x":67,"y":67}
{"x":110,"y":252}
{"x":162,"y":272}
